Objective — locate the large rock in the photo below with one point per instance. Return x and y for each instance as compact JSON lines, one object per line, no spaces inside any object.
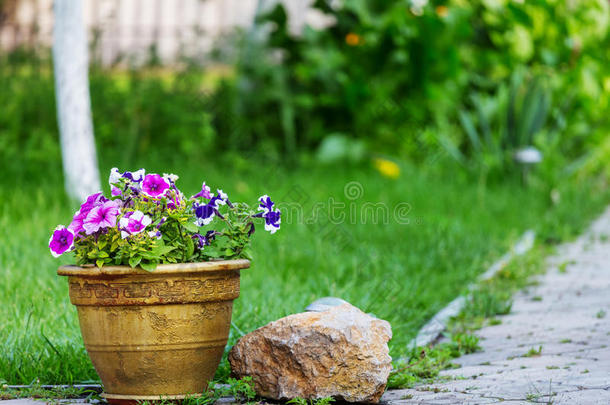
{"x":341,"y":352}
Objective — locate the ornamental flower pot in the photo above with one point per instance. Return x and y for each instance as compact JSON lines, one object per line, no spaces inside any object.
{"x":155,"y":335}
{"x":158,"y":272}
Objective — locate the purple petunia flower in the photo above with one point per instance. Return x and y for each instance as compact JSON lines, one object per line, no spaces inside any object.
{"x":133,"y":223}
{"x":210,"y":236}
{"x":76,"y":226}
{"x":155,"y":234}
{"x":79,"y":218}
{"x":199,"y":240}
{"x":175,"y":199}
{"x":136,"y":176}
{"x":204,"y":212}
{"x":265,"y":203}
{"x":222,"y":194}
{"x":170,"y":178}
{"x":61,"y":241}
{"x":115,"y":176}
{"x":272,"y":218}
{"x":272,"y":221}
{"x":221,"y":198}
{"x":202,"y":241}
{"x":154,"y":186}
{"x":204,"y":193}
{"x":92,"y":201}
{"x":101,"y":216}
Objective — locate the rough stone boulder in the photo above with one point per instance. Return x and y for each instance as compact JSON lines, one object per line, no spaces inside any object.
{"x":341,"y":352}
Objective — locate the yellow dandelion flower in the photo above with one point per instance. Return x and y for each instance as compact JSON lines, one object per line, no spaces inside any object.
{"x":387,"y":168}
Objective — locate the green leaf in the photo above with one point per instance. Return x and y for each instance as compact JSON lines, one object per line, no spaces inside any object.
{"x":212,"y":251}
{"x":99,"y":263}
{"x":149,"y":266}
{"x":191,"y":227}
{"x":469,"y":129}
{"x":190,"y":247}
{"x":450,"y":147}
{"x":162,"y":250}
{"x":246,"y":254}
{"x":134,"y":261}
{"x":149,"y":254}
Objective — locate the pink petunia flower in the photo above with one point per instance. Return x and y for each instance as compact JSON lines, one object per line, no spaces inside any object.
{"x":101,"y":216}
{"x":154,"y":186}
{"x":76,"y":226}
{"x":133,"y":223}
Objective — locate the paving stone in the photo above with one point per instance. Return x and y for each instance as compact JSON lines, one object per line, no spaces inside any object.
{"x":561,"y":314}
{"x":587,"y":396}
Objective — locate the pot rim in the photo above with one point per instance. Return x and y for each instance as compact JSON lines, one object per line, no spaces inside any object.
{"x":91,"y":270}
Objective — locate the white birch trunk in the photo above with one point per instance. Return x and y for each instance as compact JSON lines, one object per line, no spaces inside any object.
{"x":71,"y":68}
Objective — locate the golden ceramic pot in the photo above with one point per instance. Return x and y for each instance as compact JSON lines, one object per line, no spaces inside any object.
{"x":159,"y":334}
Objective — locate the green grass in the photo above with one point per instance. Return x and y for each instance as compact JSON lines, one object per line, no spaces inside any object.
{"x":400,"y":272}
{"x":50,"y":394}
{"x":242,"y":390}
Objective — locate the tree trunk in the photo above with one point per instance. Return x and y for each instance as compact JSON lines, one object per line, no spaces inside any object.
{"x":71,"y":66}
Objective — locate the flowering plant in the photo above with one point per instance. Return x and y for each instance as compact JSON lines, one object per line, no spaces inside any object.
{"x":148,"y":221}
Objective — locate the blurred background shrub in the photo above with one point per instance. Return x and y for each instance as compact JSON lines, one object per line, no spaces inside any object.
{"x":487,"y":77}
{"x":465,"y":83}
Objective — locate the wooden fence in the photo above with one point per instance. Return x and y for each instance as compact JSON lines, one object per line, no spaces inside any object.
{"x":128,"y":29}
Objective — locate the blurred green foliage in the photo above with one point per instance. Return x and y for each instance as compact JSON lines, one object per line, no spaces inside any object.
{"x":431,"y":81}
{"x":474,"y":80}
{"x":157,"y":115}
{"x":135,"y":113}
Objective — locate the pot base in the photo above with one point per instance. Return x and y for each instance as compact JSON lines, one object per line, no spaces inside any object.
{"x":116,"y":399}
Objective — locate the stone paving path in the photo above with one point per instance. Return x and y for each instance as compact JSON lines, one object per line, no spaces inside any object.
{"x":567,"y":315}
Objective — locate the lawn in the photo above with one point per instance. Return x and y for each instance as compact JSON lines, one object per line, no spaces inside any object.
{"x":403,"y":272}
